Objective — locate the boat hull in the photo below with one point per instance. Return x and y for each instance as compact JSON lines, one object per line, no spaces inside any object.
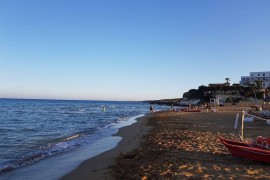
{"x":246,"y":150}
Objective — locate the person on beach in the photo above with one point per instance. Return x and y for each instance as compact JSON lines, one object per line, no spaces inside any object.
{"x":151,"y":109}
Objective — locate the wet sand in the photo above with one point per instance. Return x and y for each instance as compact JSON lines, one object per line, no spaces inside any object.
{"x":98,"y":167}
{"x":178,"y":146}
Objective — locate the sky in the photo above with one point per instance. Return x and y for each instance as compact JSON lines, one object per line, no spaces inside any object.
{"x":128,"y":49}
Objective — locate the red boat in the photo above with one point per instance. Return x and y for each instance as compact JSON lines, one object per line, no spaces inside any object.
{"x":248,"y":150}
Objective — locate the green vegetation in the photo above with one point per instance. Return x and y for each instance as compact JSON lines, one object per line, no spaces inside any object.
{"x":235,"y":93}
{"x":205,"y":92}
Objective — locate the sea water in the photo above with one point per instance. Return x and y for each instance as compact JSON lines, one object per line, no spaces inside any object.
{"x":58,"y":131}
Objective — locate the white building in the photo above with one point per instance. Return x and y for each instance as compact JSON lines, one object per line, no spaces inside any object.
{"x":256,"y":76}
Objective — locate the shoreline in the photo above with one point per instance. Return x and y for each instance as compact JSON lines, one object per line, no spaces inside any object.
{"x":176,"y":145}
{"x":98,"y":167}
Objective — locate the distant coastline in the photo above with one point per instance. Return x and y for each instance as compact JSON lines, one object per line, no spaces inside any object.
{"x":165,"y":102}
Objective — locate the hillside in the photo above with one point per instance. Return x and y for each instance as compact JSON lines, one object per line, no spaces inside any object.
{"x":223,"y":93}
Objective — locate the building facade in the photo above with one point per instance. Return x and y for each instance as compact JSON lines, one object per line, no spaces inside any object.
{"x":264,"y":77}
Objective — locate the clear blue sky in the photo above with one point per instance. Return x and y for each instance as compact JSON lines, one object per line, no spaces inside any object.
{"x":128,"y":49}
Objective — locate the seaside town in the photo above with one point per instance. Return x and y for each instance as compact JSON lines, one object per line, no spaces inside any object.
{"x":251,"y":91}
{"x":214,"y":132}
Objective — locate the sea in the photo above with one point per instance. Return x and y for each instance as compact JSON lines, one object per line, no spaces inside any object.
{"x":45,"y":139}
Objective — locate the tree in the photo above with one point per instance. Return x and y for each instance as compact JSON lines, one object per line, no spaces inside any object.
{"x":227,"y":80}
{"x":259,"y":84}
{"x":259,"y":90}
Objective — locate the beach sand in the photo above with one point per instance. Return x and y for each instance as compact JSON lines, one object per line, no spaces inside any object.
{"x":177,"y":145}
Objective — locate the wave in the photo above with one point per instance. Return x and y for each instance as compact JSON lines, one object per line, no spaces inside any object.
{"x":60,"y":146}
{"x":73,"y":137}
{"x":49,"y":147}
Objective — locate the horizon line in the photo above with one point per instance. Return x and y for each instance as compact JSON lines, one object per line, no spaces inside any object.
{"x":11,"y":98}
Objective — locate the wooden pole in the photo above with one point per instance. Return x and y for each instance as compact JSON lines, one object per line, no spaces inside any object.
{"x":242,"y":128}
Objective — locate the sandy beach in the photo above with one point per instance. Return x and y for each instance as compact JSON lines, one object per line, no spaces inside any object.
{"x":177,"y":145}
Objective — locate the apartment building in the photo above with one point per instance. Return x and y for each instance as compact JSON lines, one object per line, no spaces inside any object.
{"x":256,"y":76}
